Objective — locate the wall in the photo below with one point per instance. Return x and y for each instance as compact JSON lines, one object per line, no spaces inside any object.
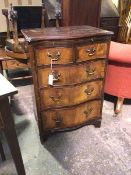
{"x":115,"y":2}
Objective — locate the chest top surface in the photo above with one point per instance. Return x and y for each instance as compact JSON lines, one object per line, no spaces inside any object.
{"x":61,"y":33}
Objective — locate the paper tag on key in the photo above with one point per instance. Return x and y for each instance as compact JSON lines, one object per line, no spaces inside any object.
{"x":50,"y":79}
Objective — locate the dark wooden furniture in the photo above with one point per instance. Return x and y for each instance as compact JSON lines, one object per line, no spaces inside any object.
{"x":7,"y":123}
{"x":76,"y":57}
{"x":77,"y":12}
{"x":74,"y":12}
{"x":109,"y":18}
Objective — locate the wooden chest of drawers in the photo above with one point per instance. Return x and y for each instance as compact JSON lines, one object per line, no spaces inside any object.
{"x":76,"y":57}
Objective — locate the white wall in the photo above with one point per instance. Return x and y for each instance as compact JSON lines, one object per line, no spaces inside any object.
{"x":115,"y":2}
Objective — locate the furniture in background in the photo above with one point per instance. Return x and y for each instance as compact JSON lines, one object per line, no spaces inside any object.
{"x":2,"y":54}
{"x":8,"y":63}
{"x":7,"y":123}
{"x":77,"y":12}
{"x":73,"y":12}
{"x":118,"y":78}
{"x":73,"y":60}
{"x":5,"y":4}
{"x":109,"y":18}
{"x":21,"y":17}
{"x":125,"y":22}
{"x":53,"y":12}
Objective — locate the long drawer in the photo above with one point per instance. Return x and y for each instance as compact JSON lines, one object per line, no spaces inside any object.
{"x":58,"y":97}
{"x":71,"y":117}
{"x":68,"y":75}
{"x":66,"y":55}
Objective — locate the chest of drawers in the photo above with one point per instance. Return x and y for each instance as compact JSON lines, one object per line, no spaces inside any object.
{"x":76,"y":57}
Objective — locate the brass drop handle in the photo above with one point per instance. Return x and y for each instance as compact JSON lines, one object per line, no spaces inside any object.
{"x":88,"y":111}
{"x":56,"y":76}
{"x":58,"y":120}
{"x":91,"y":51}
{"x":90,"y":71}
{"x":54,"y":56}
{"x":56,"y":98}
{"x":89,"y":90}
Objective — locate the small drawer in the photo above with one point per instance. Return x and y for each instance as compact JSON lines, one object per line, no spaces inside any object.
{"x":59,"y":55}
{"x":71,"y":117}
{"x":92,"y":51}
{"x":72,"y":95}
{"x":73,"y":74}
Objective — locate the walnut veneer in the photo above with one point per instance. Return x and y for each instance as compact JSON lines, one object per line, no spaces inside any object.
{"x":79,"y":56}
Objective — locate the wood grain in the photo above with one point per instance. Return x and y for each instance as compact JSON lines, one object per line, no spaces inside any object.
{"x":68,"y":96}
{"x":61,"y":33}
{"x":71,"y":117}
{"x":76,"y":97}
{"x":61,"y":54}
{"x":86,"y":52}
{"x":73,"y":74}
{"x":77,"y":12}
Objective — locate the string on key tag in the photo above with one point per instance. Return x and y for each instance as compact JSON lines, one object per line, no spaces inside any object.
{"x":51,"y":66}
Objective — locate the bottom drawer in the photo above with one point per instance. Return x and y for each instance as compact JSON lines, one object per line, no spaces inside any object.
{"x":71,"y":117}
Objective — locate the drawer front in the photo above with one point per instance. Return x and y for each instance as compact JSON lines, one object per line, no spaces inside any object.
{"x":71,"y":117}
{"x":56,"y":97}
{"x":72,"y":74}
{"x":58,"y":55}
{"x":93,"y":51}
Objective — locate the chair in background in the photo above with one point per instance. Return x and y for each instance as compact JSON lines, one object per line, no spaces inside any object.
{"x":118,"y":78}
{"x":17,"y":18}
